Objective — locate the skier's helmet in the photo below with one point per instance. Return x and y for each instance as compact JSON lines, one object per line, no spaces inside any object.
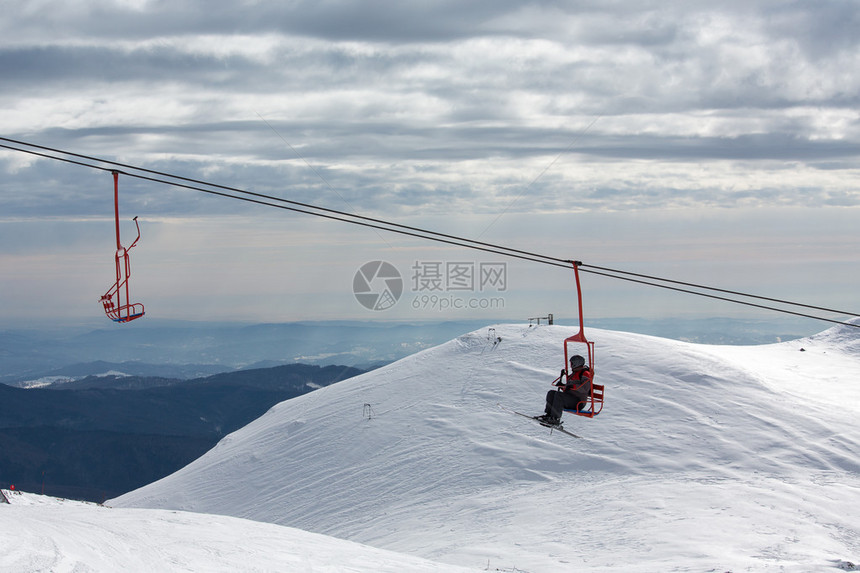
{"x":577,"y":361}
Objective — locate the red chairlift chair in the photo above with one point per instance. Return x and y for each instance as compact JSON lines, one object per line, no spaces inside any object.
{"x":594,"y":404}
{"x":116,"y":301}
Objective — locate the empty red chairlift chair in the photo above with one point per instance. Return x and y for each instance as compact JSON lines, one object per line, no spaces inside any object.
{"x":118,"y":307}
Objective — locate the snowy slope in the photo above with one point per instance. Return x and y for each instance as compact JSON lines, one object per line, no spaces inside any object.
{"x":47,"y":534}
{"x":705,"y":457}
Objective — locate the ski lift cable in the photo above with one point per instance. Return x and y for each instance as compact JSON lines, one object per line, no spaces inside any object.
{"x":585,"y":268}
{"x":393,"y":227}
{"x":717,"y":297}
{"x":561,"y":262}
{"x":400,"y":229}
{"x":284,"y":204}
{"x":459,"y":240}
{"x":258,"y":199}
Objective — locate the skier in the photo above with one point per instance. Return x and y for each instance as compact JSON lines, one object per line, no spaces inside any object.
{"x":572,"y":393}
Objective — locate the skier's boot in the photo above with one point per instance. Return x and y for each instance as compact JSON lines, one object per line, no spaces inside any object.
{"x":548,"y":420}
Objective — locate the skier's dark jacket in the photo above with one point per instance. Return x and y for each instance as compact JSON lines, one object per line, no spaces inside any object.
{"x":577,"y":383}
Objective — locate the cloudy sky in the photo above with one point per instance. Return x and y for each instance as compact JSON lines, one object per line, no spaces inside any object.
{"x":715,"y":144}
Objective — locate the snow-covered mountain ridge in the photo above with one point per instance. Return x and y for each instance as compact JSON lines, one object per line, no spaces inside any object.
{"x":705,"y":457}
{"x":43,"y":533}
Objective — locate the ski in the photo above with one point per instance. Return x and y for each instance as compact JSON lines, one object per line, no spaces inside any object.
{"x":535,"y":419}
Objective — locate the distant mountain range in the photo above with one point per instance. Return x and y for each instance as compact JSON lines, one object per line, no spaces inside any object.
{"x":124,"y":375}
{"x":190,"y":350}
{"x":177,"y":349}
{"x":100,"y":436}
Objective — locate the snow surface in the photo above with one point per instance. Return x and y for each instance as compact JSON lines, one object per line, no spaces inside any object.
{"x":47,"y":534}
{"x":705,"y":458}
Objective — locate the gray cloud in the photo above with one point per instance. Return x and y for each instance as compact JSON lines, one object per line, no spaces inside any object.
{"x":372,"y":20}
{"x":438,"y":104}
